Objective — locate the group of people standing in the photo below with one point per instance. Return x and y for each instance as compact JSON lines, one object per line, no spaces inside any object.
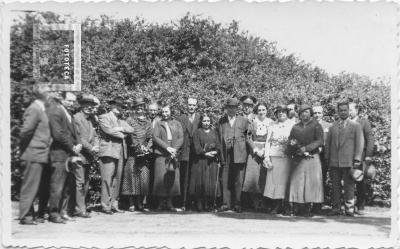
{"x":152,"y":160}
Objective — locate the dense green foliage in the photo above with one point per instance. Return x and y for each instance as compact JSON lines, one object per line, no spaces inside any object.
{"x":196,"y":56}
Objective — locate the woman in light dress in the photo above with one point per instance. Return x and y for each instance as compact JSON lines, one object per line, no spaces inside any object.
{"x":276,"y":161}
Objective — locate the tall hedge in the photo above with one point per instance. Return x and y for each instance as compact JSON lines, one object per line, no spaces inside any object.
{"x":197,"y":56}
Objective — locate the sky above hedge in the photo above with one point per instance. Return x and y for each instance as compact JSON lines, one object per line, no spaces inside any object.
{"x":352,"y":37}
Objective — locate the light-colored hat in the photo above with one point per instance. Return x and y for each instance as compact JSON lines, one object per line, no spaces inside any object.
{"x":370,"y":171}
{"x":356,"y":174}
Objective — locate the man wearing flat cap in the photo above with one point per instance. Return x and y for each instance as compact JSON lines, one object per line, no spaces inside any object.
{"x":90,"y":147}
{"x":232,"y":131}
{"x":112,"y":153}
{"x":248,"y":103}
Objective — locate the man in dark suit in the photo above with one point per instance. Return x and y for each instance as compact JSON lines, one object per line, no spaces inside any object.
{"x":112,"y":153}
{"x":190,"y":122}
{"x":232,"y":130}
{"x":368,"y":147}
{"x":343,"y":149}
{"x":90,"y":147}
{"x":35,"y":143}
{"x":63,"y":151}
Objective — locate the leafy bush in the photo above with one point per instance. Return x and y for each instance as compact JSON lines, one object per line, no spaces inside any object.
{"x":196,"y":56}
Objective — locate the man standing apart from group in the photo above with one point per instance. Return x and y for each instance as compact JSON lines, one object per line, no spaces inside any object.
{"x":232,"y":131}
{"x":112,"y":153}
{"x":368,"y":147}
{"x":35,"y":142}
{"x":190,"y":123}
{"x":343,"y":150}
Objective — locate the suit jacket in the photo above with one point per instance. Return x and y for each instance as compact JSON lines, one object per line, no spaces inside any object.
{"x":188,"y":131}
{"x":368,"y":137}
{"x":160,"y":140}
{"x":64,"y":134}
{"x":35,"y":137}
{"x":87,"y":134}
{"x":343,"y":154}
{"x":112,"y":142}
{"x":239,"y":144}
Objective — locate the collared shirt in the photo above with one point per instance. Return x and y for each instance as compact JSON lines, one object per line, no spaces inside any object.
{"x":191,"y":117}
{"x":41,"y":104}
{"x":232,"y":120}
{"x":66,"y":113}
{"x":355,"y":119}
{"x":343,"y":123}
{"x":169,"y":134}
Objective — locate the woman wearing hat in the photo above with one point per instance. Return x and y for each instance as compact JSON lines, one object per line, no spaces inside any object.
{"x":248,"y":103}
{"x":167,"y":140}
{"x":254,"y":180}
{"x":276,"y":160}
{"x":136,"y":176}
{"x":306,"y":178}
{"x":205,"y":166}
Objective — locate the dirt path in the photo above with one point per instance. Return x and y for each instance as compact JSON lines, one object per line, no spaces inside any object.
{"x":214,"y":229}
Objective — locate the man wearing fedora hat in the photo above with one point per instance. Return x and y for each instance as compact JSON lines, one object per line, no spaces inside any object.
{"x":232,"y":131}
{"x":368,"y":147}
{"x":112,"y":152}
{"x":343,"y":150}
{"x":248,"y":103}
{"x":90,"y":148}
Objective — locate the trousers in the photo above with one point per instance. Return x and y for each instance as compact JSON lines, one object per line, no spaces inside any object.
{"x":111,"y":173}
{"x":59,"y":190}
{"x":337,"y":175}
{"x":232,"y":181}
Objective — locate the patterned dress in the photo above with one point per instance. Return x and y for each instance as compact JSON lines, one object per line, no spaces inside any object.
{"x":278,"y":176}
{"x":254,"y":180}
{"x":136,"y":176}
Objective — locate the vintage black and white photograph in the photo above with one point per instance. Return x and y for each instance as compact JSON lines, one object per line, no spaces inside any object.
{"x":199,"y":124}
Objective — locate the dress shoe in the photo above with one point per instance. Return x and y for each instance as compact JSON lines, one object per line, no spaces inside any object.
{"x":116,"y":210}
{"x":39,"y":219}
{"x":224,"y":208}
{"x":27,"y":222}
{"x":238,"y":209}
{"x":334,"y":213}
{"x":83,"y":215}
{"x":107,"y":212}
{"x":350,"y":214}
{"x":67,"y":217}
{"x":131,"y":209}
{"x":359,"y":212}
{"x":58,"y":220}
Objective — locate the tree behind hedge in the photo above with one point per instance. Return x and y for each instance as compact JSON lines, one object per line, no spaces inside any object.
{"x":196,"y":56}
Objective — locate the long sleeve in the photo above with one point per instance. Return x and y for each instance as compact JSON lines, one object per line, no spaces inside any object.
{"x":58,"y":134}
{"x":249,"y":137}
{"x":80,"y":130}
{"x":156,"y":137}
{"x":358,"y":143}
{"x":369,"y":139}
{"x":31,"y":120}
{"x":198,"y":147}
{"x":180,"y":138}
{"x":327,"y":149}
{"x":127,"y":128}
{"x":318,"y":138}
{"x":106,"y":127}
{"x":149,"y":137}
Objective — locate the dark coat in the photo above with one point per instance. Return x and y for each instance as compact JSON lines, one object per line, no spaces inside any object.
{"x":35,"y":138}
{"x":343,"y":154}
{"x":64,"y":134}
{"x":188,"y":131}
{"x":240,"y":134}
{"x":160,"y":141}
{"x":368,"y":137}
{"x":87,"y":134}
